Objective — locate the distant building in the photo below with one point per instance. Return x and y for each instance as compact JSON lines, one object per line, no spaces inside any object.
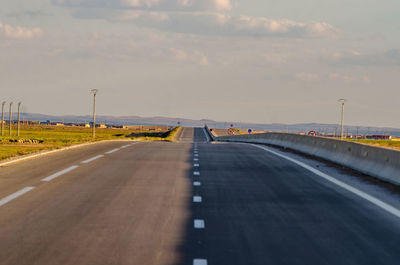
{"x":119,"y":126}
{"x":30,"y":122}
{"x":86,"y":125}
{"x":55,"y":123}
{"x":22,"y":122}
{"x":378,"y":137}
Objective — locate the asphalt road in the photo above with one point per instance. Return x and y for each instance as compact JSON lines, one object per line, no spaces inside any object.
{"x":184,"y":203}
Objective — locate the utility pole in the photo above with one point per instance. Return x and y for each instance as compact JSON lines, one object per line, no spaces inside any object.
{"x":2,"y":117}
{"x":19,"y":116}
{"x":342,"y":101}
{"x":10,"y":120}
{"x":94,"y":92}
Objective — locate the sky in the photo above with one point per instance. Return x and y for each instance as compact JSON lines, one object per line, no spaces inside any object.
{"x":260,"y":61}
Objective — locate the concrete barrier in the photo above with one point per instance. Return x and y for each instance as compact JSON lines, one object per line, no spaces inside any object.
{"x":211,"y":134}
{"x":381,"y":163}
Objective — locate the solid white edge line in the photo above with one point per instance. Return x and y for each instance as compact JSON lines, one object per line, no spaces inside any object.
{"x":200,"y":262}
{"x":208,"y":137}
{"x":199,"y":224}
{"x":92,"y":159}
{"x":112,"y":151}
{"x":45,"y":153}
{"x":59,"y":173}
{"x":15,"y":195}
{"x":365,"y":196}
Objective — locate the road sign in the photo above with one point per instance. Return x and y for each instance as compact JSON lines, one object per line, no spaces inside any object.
{"x":312,"y":133}
{"x":250,"y":131}
{"x":231,"y":131}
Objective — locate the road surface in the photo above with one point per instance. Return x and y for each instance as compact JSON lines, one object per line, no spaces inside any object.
{"x":193,"y":202}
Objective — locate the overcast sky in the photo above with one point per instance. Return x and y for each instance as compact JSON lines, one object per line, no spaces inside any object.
{"x":264,"y":61}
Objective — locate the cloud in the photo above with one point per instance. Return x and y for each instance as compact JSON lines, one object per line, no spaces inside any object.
{"x":349,"y":79}
{"x":195,"y":57}
{"x":205,"y":17}
{"x":17,"y":32}
{"x":29,"y":13}
{"x":309,"y":77}
{"x":387,"y":58}
{"x":152,"y":5}
{"x":265,"y":27}
{"x":216,"y":24}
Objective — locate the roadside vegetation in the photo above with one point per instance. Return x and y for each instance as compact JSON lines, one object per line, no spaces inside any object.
{"x":381,"y":143}
{"x":38,"y":138}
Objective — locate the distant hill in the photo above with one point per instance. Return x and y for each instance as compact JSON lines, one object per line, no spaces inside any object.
{"x":136,"y":120}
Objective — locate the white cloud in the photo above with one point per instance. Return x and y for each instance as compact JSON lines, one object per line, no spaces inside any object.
{"x":275,"y":59}
{"x":367,"y":80}
{"x":350,"y":79}
{"x":225,"y":25}
{"x":387,"y":58}
{"x":17,"y":32}
{"x":266,"y":26}
{"x":144,"y":16}
{"x":155,"y":5}
{"x":205,"y":17}
{"x":309,"y":77}
{"x":195,"y":57}
{"x":223,"y":4}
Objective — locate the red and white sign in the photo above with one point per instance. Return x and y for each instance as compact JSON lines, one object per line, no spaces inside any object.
{"x":312,"y":133}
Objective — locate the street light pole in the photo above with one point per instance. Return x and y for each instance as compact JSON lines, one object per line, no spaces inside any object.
{"x":2,"y":117}
{"x":19,"y":116}
{"x":342,"y":101}
{"x":94,"y":92}
{"x":10,"y":120}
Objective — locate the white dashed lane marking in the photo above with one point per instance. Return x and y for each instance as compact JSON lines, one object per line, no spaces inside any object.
{"x":200,"y":262}
{"x":196,"y":183}
{"x":199,"y":224}
{"x":195,"y":159}
{"x":196,"y":173}
{"x":59,"y":173}
{"x":15,"y":195}
{"x":197,"y":199}
{"x":196,"y":165}
{"x":112,"y":151}
{"x":92,"y":159}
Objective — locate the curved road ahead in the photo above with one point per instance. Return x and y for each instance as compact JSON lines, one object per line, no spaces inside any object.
{"x":193,"y":202}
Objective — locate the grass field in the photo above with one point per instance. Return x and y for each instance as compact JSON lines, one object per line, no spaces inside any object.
{"x":38,"y":138}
